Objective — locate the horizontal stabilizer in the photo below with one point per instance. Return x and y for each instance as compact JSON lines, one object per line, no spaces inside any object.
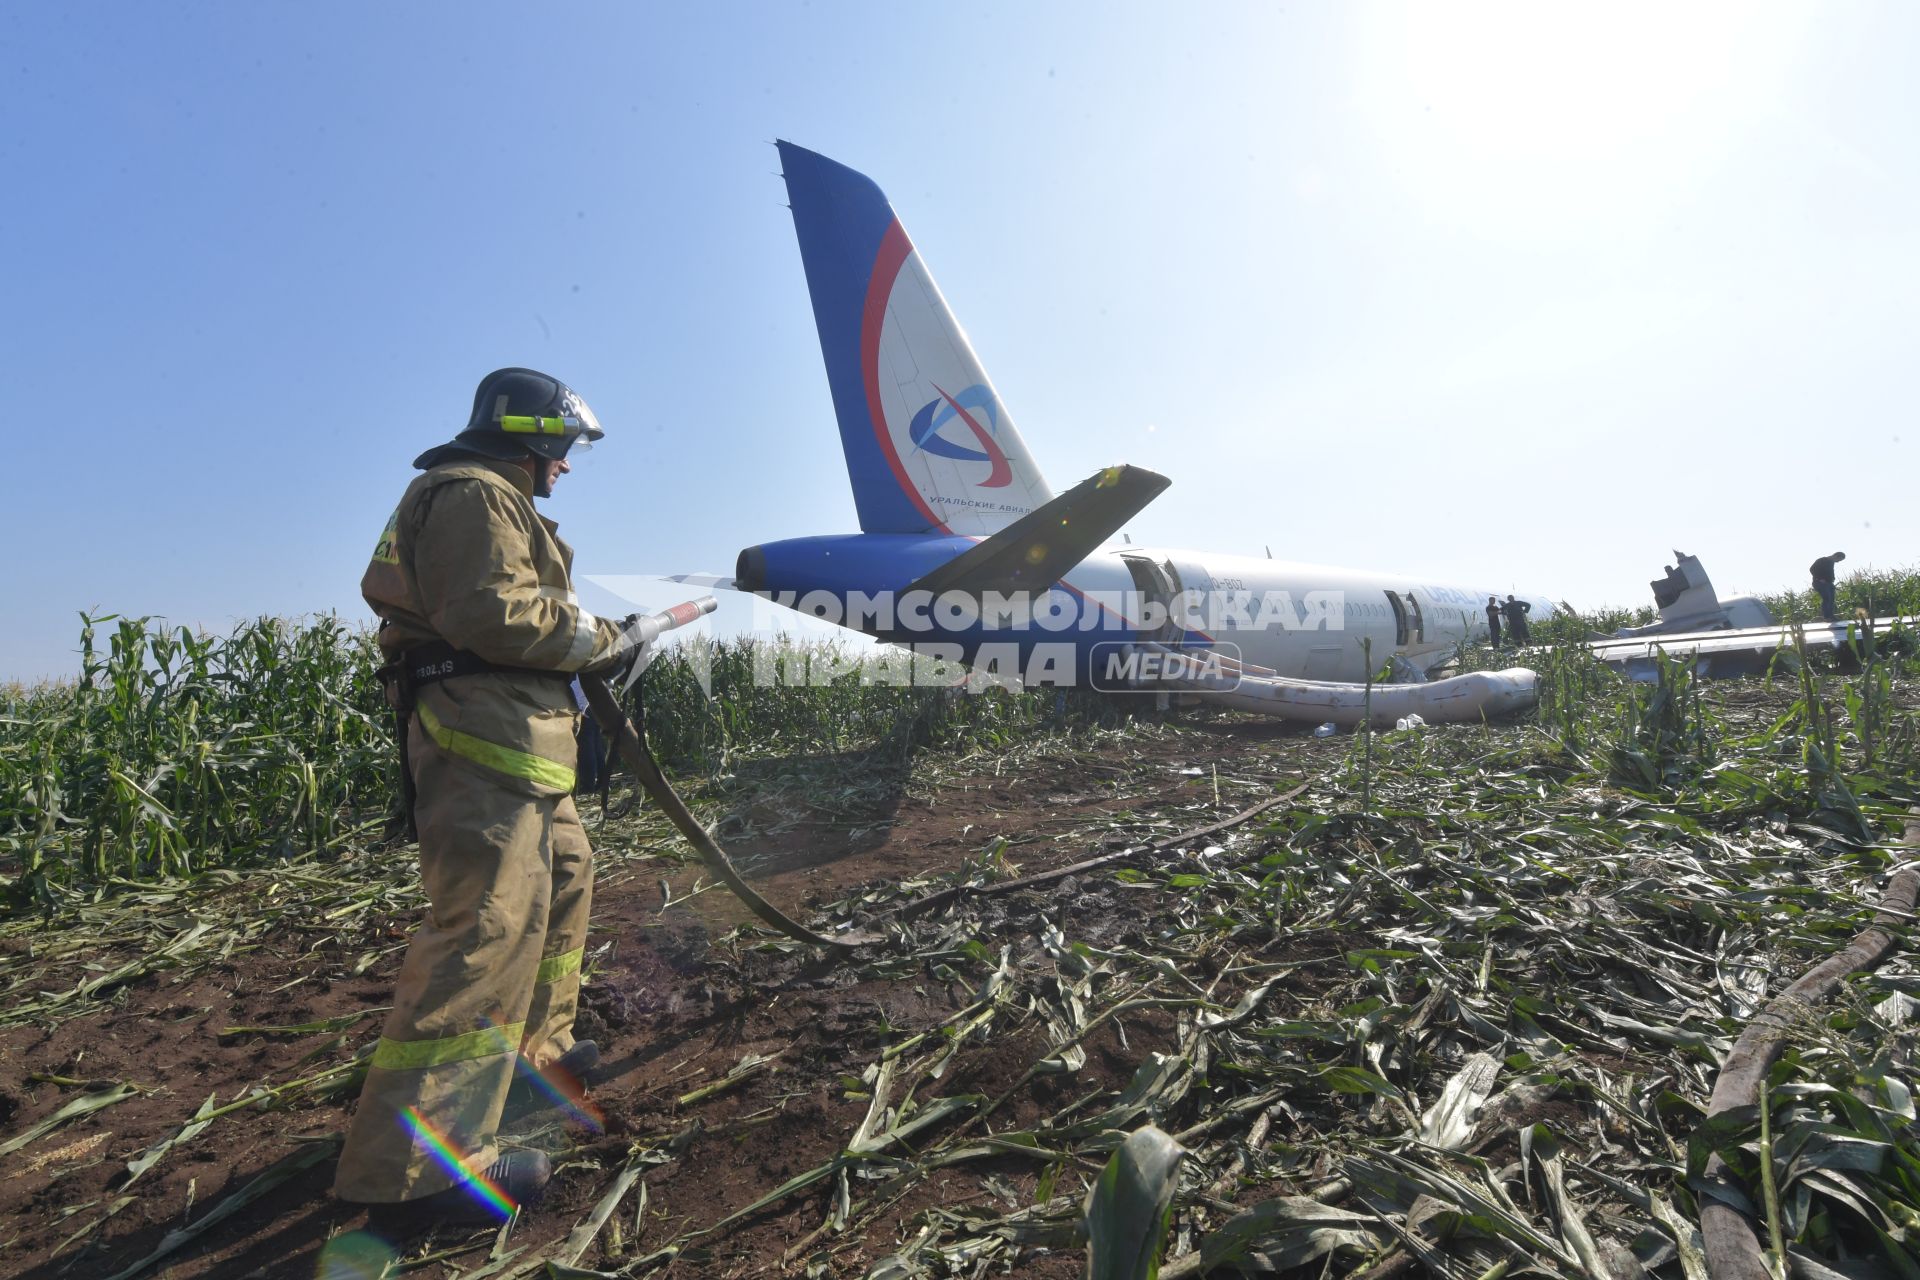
{"x":1039,"y":548}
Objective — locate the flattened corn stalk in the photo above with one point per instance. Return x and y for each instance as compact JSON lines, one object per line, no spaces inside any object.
{"x":1458,"y":858}
{"x":1500,"y":902}
{"x":1732,"y":1250}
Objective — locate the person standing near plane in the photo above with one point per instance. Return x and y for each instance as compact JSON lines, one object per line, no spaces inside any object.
{"x":1517,"y":611}
{"x":1822,"y":571}
{"x":483,"y":634}
{"x":1493,"y":622}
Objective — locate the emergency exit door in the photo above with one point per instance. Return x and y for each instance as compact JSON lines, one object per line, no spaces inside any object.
{"x":1409,"y":624}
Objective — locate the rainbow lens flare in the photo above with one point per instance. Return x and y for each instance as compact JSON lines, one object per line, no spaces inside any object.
{"x":474,"y":1183}
{"x":576,"y":1106}
{"x":357,"y":1255}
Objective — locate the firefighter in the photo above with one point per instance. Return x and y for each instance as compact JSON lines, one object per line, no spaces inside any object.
{"x":483,"y":635}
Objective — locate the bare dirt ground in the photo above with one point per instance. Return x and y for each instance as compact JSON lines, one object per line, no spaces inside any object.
{"x":675,"y":1001}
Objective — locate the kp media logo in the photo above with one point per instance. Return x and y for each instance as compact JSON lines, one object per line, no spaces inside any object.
{"x":1121,"y":666}
{"x":967,"y":407}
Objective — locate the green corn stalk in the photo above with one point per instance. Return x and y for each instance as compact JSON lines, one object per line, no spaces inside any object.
{"x":176,"y":752}
{"x":1127,"y":1210}
{"x":1366,"y":726}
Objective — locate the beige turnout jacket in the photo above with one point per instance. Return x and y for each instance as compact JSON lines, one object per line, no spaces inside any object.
{"x":466,"y":559}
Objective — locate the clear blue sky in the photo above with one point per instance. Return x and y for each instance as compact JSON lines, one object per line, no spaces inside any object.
{"x":1515,"y":293}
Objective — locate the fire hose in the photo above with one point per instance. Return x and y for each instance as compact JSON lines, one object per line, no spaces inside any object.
{"x":1732,"y":1248}
{"x":629,"y":741}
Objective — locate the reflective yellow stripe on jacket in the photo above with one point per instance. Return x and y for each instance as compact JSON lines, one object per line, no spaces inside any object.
{"x":518,"y":764}
{"x":412,"y":1055}
{"x":554,"y":968}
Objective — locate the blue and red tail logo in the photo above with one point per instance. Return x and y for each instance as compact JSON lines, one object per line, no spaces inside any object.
{"x":968,"y":407}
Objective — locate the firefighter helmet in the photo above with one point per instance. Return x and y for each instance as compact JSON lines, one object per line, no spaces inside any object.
{"x":517,"y":412}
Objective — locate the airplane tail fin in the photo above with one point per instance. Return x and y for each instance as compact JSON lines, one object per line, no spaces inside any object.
{"x":929,"y":446}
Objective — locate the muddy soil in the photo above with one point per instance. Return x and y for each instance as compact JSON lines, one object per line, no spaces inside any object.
{"x":674,"y":1003}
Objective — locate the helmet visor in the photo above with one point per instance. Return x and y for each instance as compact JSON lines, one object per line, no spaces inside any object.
{"x":580,"y":418}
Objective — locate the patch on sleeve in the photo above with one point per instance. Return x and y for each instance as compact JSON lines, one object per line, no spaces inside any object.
{"x":383,"y":550}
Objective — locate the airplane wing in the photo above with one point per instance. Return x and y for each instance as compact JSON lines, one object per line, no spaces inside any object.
{"x":650,"y":591}
{"x":1039,"y":548}
{"x":723,"y":582}
{"x":1733,"y":651}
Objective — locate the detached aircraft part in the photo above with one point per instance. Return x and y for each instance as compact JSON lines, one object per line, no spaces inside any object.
{"x":1475,"y":696}
{"x":1687,"y":602}
{"x":1737,"y":636}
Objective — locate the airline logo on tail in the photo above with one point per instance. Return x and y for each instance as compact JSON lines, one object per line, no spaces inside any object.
{"x":967,"y":407}
{"x":946,"y":437}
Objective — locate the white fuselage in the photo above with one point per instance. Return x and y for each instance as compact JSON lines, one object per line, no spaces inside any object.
{"x":1301,"y":621}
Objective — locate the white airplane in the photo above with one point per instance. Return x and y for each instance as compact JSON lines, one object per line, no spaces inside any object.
{"x":965,"y":551}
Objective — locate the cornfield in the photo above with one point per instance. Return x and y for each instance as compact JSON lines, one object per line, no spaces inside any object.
{"x":1452,"y":1002}
{"x":176,"y":752}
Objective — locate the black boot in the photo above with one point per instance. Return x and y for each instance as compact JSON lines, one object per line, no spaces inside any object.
{"x":517,"y":1179}
{"x":577,"y":1061}
{"x":565,"y":1076}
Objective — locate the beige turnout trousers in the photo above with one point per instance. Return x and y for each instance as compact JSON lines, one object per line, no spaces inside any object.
{"x":491,"y":975}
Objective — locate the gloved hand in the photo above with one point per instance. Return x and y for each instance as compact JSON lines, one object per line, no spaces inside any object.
{"x":630,"y":656}
{"x":635,"y":648}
